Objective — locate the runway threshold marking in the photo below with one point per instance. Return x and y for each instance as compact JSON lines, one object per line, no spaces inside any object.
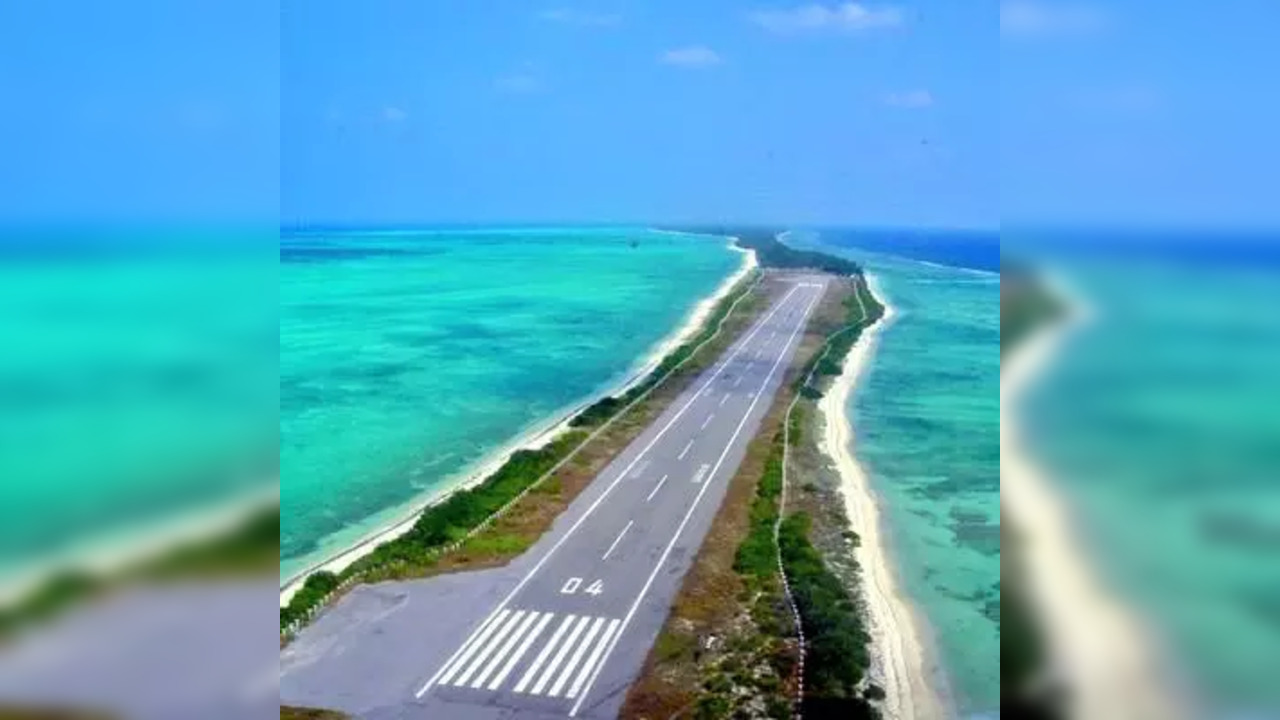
{"x":617,"y":540}
{"x":626,"y":620}
{"x":486,"y":625}
{"x":655,"y":489}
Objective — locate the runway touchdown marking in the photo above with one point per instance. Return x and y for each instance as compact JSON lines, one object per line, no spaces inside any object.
{"x":560,"y":668}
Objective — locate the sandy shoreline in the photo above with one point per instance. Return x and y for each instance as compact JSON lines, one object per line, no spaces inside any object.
{"x":115,"y":552}
{"x":1095,"y":643}
{"x":897,"y":644}
{"x":531,"y":440}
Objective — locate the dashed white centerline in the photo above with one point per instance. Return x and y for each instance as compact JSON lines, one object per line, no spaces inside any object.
{"x":655,"y":489}
{"x":738,"y":381}
{"x":685,"y":451}
{"x":707,"y":422}
{"x":724,"y":400}
{"x":618,"y":539}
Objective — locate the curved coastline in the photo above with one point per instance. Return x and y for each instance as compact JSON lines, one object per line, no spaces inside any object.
{"x":532,"y":439}
{"x":900,"y":662}
{"x":1095,"y":642}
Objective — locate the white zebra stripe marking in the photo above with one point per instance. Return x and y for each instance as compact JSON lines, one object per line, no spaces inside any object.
{"x":505,"y":649}
{"x":592,"y":659}
{"x":524,"y":648}
{"x":470,"y":650}
{"x":559,"y":658}
{"x":542,"y":656}
{"x":490,"y":647}
{"x":577,"y":657}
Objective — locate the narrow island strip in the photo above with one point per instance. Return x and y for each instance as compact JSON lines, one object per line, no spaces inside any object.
{"x":771,"y":619}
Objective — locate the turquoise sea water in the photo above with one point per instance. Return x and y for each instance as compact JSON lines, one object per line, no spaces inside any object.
{"x":927,"y":419}
{"x":1159,"y":424}
{"x":137,"y":382}
{"x":407,"y":356}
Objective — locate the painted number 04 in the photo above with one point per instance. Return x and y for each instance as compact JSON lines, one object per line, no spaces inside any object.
{"x":572,"y":584}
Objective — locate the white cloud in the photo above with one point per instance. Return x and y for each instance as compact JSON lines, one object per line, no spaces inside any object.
{"x":518,"y":84}
{"x":850,"y":16}
{"x":394,"y":114}
{"x":692,"y":56}
{"x":911,"y":99}
{"x":1044,"y":18}
{"x":581,"y":18}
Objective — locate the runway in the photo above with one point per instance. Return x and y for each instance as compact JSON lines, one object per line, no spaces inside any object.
{"x":566,"y":628}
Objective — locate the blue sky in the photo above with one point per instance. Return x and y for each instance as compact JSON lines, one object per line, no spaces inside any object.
{"x":1140,"y":113}
{"x":930,"y":113}
{"x":155,"y":110}
{"x":640,"y":111}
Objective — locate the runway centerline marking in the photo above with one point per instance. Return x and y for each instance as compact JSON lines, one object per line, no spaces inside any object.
{"x":626,"y":620}
{"x":685,"y":451}
{"x":655,"y":489}
{"x":617,"y":540}
{"x":740,"y":348}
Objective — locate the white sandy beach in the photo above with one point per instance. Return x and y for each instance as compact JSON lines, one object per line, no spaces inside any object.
{"x":899,"y":659}
{"x":1096,"y":644}
{"x":531,"y":440}
{"x":103,"y":555}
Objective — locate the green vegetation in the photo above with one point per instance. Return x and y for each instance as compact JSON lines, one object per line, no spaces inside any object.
{"x":439,"y":526}
{"x":1025,"y":304}
{"x":449,"y":522}
{"x":841,"y":342}
{"x":772,"y":253}
{"x":607,"y":407}
{"x":836,"y":640}
{"x":251,"y":547}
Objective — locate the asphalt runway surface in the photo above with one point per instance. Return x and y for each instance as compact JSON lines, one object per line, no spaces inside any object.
{"x":563,"y":630}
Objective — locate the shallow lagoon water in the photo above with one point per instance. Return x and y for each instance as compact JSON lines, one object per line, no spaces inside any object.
{"x":408,"y":356}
